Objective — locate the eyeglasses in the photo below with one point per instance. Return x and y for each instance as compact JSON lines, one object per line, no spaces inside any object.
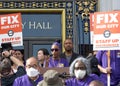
{"x":54,"y":49}
{"x":77,"y":68}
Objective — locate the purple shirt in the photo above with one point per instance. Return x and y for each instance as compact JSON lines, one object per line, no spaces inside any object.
{"x":25,"y":81}
{"x":75,"y":82}
{"x":57,"y":63}
{"x":114,"y":63}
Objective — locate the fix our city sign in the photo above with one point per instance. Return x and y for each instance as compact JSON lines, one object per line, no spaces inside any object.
{"x":106,"y":30}
{"x":11,"y":29}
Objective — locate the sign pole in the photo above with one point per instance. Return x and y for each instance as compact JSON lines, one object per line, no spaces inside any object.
{"x":108,"y":75}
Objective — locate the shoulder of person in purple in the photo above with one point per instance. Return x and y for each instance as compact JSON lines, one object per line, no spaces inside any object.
{"x":19,"y":81}
{"x":71,"y":82}
{"x":25,"y":81}
{"x":75,"y":82}
{"x":61,"y":63}
{"x":39,"y":79}
{"x":65,"y":62}
{"x":94,"y":76}
{"x":99,"y":55}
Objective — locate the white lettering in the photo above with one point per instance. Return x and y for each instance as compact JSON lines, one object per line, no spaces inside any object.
{"x":9,"y":20}
{"x":99,"y":18}
{"x":32,"y":25}
{"x":112,"y":25}
{"x":14,"y":19}
{"x":3,"y":20}
{"x":107,"y":18}
{"x":101,"y":26}
{"x":39,"y":25}
{"x":23,"y":25}
{"x":113,"y":18}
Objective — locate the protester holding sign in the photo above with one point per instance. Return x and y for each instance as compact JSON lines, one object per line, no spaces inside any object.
{"x":114,"y":69}
{"x":7,"y":74}
{"x":107,"y":42}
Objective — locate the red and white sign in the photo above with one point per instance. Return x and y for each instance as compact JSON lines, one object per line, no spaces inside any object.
{"x":91,"y":27}
{"x":106,"y":31}
{"x":11,"y":29}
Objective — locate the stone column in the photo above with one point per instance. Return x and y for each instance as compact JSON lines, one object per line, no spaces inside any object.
{"x":108,"y":5}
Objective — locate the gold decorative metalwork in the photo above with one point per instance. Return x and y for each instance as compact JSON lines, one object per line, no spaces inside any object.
{"x":26,"y":4}
{"x":84,"y":8}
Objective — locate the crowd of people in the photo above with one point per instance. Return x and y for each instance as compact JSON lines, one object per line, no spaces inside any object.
{"x":83,"y":71}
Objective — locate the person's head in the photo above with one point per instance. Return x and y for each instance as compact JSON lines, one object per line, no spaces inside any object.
{"x":79,"y":68}
{"x":42,"y":54}
{"x":51,"y":78}
{"x":5,"y":68}
{"x":32,"y":67}
{"x":96,"y":83}
{"x":68,"y":45}
{"x":55,"y":49}
{"x":19,"y":54}
{"x":6,"y":46}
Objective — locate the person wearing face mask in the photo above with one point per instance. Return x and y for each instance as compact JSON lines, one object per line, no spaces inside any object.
{"x":32,"y":76}
{"x":80,"y":73}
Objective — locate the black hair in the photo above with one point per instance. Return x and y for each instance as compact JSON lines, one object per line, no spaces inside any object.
{"x":6,"y":46}
{"x":22,"y":52}
{"x":58,"y":41}
{"x":45,"y":51}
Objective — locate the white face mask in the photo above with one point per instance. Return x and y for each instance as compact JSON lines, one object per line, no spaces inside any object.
{"x":80,"y":73}
{"x":32,"y":72}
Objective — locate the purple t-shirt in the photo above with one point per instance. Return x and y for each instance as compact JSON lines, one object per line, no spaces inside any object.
{"x":62,"y":62}
{"x":75,"y":82}
{"x":25,"y":81}
{"x":114,"y":63}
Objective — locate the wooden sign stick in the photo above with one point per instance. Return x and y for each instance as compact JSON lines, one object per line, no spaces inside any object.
{"x":108,"y":75}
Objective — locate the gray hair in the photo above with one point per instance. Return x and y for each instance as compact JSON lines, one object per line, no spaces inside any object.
{"x":82,"y":59}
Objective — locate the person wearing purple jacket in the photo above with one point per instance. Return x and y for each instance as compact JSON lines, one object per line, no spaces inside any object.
{"x":55,"y":60}
{"x":80,"y":73}
{"x":114,"y":68}
{"x":33,"y":75}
